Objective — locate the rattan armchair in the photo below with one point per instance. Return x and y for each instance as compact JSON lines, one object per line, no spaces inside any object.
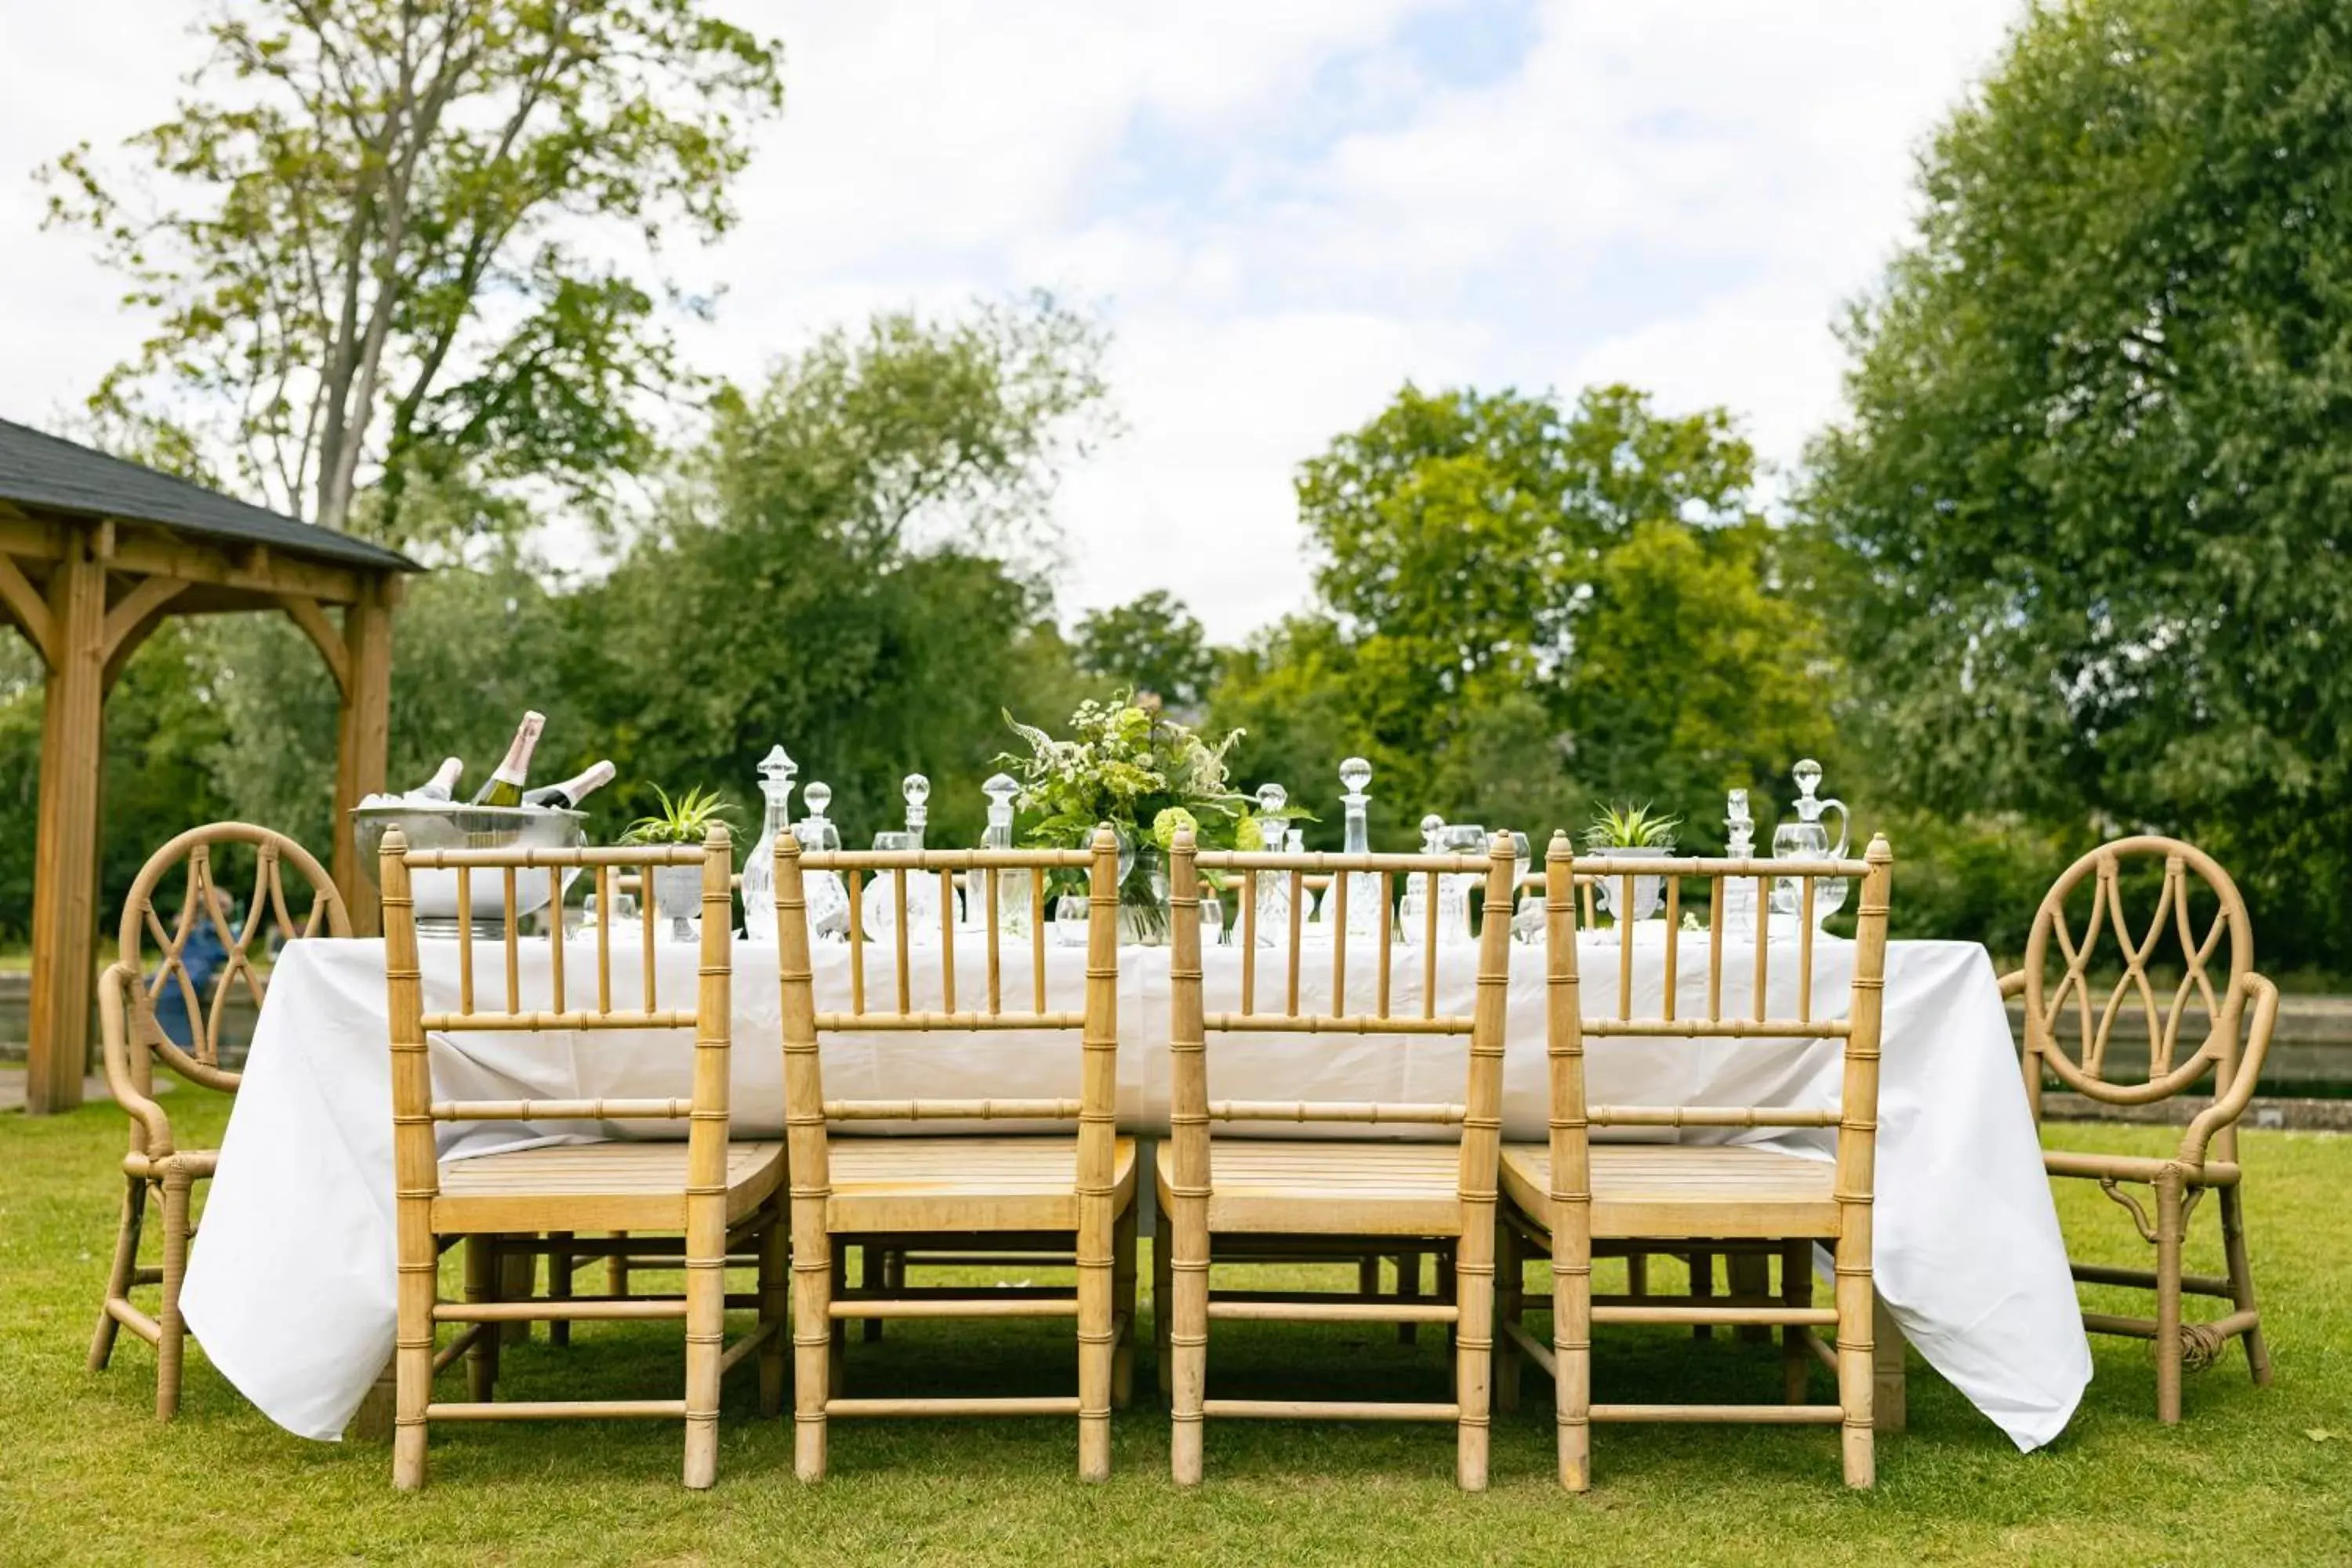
{"x":1572,"y":1197}
{"x":893,"y":1196}
{"x":2088,"y":1058}
{"x":1352,"y":1198}
{"x":156,"y":1169}
{"x":722,"y":1195}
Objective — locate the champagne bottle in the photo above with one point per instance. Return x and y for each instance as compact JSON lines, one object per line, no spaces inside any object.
{"x":443,"y":785}
{"x":571,"y":791}
{"x":504,"y":787}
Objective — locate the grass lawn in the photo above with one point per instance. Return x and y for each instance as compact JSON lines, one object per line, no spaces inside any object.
{"x":2253,"y":1476}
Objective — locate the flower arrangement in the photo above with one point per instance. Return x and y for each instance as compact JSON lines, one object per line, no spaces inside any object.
{"x":1127,"y":763}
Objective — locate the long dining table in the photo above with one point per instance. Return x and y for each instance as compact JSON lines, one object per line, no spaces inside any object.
{"x":290,"y":1286}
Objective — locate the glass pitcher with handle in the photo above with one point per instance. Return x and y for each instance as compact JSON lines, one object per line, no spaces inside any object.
{"x":1808,"y":838}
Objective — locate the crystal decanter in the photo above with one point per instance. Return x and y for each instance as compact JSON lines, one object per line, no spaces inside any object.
{"x":1808,"y":838}
{"x":1012,"y":886}
{"x":880,"y":903}
{"x":776,"y":771}
{"x":1738,"y":843}
{"x":828,"y":899}
{"x":1367,"y":891}
{"x":1272,"y":886}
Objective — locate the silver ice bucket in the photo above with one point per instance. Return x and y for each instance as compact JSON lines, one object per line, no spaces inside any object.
{"x":452,"y":826}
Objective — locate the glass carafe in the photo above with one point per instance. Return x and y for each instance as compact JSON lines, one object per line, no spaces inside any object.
{"x":827,"y":897}
{"x":1453,"y":888}
{"x":776,"y":770}
{"x":1012,"y":886}
{"x":1808,"y":838}
{"x":1367,"y":891}
{"x":880,"y":903}
{"x":1272,"y":886}
{"x":1739,"y":844}
{"x":1412,"y":909}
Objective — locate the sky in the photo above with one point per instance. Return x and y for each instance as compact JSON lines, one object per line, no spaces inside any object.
{"x":1282,"y":209}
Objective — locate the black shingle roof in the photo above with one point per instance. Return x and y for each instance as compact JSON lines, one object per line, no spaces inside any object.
{"x":38,"y":470}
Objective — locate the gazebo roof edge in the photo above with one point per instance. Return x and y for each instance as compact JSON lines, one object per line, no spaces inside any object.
{"x":47,"y":471}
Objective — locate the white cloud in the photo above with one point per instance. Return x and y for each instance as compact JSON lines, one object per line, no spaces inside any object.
{"x":1287,"y":210}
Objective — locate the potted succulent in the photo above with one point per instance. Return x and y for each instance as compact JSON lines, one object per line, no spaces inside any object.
{"x":676,"y":891}
{"x":1631,"y":833}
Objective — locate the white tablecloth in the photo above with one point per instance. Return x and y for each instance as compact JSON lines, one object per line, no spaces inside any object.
{"x":291,"y":1288}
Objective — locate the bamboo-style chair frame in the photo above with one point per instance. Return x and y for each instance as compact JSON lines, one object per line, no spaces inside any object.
{"x":1194,"y":1236}
{"x":131,"y":1038}
{"x":2239,"y":1014}
{"x":1563,"y":1227}
{"x":724,"y":1197}
{"x":938,"y":1204}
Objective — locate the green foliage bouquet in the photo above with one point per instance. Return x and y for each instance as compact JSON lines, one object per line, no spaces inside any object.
{"x":1132,"y":766}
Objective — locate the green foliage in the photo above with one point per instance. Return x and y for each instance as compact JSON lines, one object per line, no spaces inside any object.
{"x":379,"y":268}
{"x":1132,"y":766}
{"x":1151,"y":644}
{"x":2092,"y":491}
{"x":1525,"y":602}
{"x":1630,"y":826}
{"x":683,"y":820}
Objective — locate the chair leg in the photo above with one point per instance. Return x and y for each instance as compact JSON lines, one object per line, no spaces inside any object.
{"x":1122,"y":1300}
{"x":1797,"y":1291}
{"x":2241,"y":1279}
{"x":171,"y":1340}
{"x":1571,"y":1344}
{"x":1702,"y":1286}
{"x":482,"y":1285}
{"x":616,"y":1269}
{"x":558,"y":1284}
{"x":1751,"y":1277}
{"x":1163,"y":1295}
{"x":412,"y":1359}
{"x":1510,"y":1306}
{"x":705,"y":1340}
{"x":518,"y":1281}
{"x":813,"y":1336}
{"x":1468,"y":1266}
{"x":775,"y":1297}
{"x":837,"y":1368}
{"x":126,"y":1264}
{"x":872,"y":1274}
{"x":2169,"y":1195}
{"x":1445,"y":1291}
{"x":1407,"y":1289}
{"x":1368,"y":1274}
{"x":1857,"y":1364}
{"x":1637,"y":1274}
{"x":1189,"y":1338}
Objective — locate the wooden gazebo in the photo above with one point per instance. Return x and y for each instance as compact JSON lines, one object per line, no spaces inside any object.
{"x":94,"y":553}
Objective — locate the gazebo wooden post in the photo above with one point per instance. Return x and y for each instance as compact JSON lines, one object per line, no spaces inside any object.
{"x":64,"y":876}
{"x":363,"y":738}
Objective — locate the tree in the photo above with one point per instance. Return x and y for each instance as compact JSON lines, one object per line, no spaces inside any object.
{"x":820,"y":574}
{"x":2092,"y":486}
{"x":1151,"y":644}
{"x":1525,"y":604}
{"x":381,"y":270}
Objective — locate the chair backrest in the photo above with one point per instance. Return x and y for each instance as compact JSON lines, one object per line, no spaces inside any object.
{"x":1569,"y":1025}
{"x":177,"y":1011}
{"x":809,"y":1112}
{"x":2079,"y":985}
{"x":1479,"y":1112}
{"x":708,"y":1014}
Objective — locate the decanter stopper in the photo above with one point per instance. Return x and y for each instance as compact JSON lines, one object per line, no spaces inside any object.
{"x":777,"y":772}
{"x":1000,"y":790}
{"x":1431,"y":826}
{"x":816,"y":830}
{"x":1354,"y":774}
{"x":918,"y":791}
{"x":1271,"y":799}
{"x":1808,"y":775}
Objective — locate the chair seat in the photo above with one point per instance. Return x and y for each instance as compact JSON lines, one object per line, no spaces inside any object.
{"x":886,"y":1184}
{"x":1328,"y":1187}
{"x":1698,"y":1190}
{"x":594,"y":1186}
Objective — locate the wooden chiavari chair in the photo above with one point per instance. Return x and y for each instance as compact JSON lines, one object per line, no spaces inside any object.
{"x":721,"y":1194}
{"x":1353,"y":1197}
{"x":1573,"y":1197}
{"x":893,"y":1197}
{"x":131,"y":1036}
{"x":2089,"y":1059}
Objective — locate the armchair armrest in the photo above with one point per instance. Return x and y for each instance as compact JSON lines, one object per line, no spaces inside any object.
{"x":2012,"y":984}
{"x":114,"y":1050}
{"x":2226,"y":1109}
